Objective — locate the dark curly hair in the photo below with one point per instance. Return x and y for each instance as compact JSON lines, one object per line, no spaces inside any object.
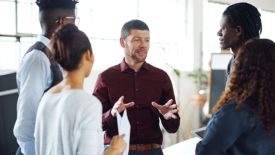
{"x":252,"y":81}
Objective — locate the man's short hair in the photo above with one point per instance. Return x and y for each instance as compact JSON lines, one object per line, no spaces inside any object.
{"x":133,"y":24}
{"x":56,"y":4}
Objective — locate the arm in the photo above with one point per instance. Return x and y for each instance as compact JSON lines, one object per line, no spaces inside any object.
{"x":34,"y":76}
{"x":223,"y":130}
{"x":89,"y":133}
{"x":101,"y":92}
{"x":171,"y":124}
{"x":91,"y":139}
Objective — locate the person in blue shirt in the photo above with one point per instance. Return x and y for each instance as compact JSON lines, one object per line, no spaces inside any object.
{"x":37,"y":71}
{"x":244,"y":118}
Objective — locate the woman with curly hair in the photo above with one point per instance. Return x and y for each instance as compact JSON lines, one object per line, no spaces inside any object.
{"x":244,"y":118}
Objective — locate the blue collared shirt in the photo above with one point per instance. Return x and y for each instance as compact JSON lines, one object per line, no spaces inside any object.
{"x":33,"y":77}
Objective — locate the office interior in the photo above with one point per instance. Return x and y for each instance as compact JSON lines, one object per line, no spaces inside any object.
{"x":183,"y":43}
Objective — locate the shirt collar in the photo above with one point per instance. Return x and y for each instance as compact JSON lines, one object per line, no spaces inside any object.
{"x":44,"y":40}
{"x":124,"y":66}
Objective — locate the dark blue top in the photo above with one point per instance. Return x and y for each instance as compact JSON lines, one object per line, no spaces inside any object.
{"x":236,"y":132}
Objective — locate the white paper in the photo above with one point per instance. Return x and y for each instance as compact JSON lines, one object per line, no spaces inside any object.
{"x":124,"y":127}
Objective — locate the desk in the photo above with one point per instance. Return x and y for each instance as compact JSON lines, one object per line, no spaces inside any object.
{"x":186,"y":147}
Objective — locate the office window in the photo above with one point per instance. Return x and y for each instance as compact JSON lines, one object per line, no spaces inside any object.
{"x":9,"y":56}
{"x":27,"y":14}
{"x":15,"y":31}
{"x":102,"y":23}
{"x":268,"y":24}
{"x":7,"y":16}
{"x":166,"y":20}
{"x":211,"y":25}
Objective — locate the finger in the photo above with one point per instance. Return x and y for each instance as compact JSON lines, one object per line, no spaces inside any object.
{"x":130,"y":104}
{"x":121,"y":99}
{"x":174,"y":111}
{"x":174,"y":116}
{"x":168,"y":103}
{"x":154,"y":104}
{"x":116,"y":106}
{"x":173,"y":106}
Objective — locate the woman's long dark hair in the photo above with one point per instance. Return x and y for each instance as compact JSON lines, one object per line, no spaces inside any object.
{"x":253,"y":80}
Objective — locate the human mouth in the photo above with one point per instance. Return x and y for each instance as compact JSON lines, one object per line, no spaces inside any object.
{"x":221,"y":41}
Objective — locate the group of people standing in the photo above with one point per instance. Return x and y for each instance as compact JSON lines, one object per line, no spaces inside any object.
{"x":56,"y":116}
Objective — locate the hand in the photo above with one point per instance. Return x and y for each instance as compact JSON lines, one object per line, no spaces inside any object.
{"x":117,"y":146}
{"x":118,"y":143}
{"x":168,"y":110}
{"x":120,"y":106}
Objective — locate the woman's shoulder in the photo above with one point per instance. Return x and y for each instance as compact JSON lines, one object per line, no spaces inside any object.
{"x":83,"y":95}
{"x":233,"y":111}
{"x":232,"y":106}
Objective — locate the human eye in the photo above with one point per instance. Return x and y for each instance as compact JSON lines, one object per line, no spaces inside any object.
{"x":136,"y":39}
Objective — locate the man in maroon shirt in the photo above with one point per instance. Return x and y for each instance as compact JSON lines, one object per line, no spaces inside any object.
{"x":143,"y":89}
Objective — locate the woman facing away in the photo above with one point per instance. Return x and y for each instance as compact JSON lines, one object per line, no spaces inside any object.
{"x":244,"y":118}
{"x":68,"y":118}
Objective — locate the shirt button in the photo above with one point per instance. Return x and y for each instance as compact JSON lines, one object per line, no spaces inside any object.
{"x":137,"y":89}
{"x":137,"y":122}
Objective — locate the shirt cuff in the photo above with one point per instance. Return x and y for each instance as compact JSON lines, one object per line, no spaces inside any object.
{"x":27,"y":148}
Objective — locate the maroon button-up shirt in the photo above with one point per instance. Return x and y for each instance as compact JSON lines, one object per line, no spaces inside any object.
{"x":142,"y":87}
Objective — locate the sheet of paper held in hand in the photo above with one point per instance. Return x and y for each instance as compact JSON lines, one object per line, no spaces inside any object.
{"x":124,"y":128}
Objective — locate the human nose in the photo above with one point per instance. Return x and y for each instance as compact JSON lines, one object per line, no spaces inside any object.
{"x":144,"y":43}
{"x":219,"y":33}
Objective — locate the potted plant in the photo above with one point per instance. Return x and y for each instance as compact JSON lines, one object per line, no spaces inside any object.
{"x":200,"y":79}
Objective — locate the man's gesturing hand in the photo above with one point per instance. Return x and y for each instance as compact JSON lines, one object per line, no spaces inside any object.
{"x":168,"y":110}
{"x":120,"y":106}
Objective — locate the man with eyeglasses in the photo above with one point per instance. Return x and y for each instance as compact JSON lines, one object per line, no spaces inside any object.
{"x":37,"y":71}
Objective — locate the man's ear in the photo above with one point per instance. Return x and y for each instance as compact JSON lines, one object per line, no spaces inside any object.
{"x":239,"y":30}
{"x":122,"y":42}
{"x":60,"y":21}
